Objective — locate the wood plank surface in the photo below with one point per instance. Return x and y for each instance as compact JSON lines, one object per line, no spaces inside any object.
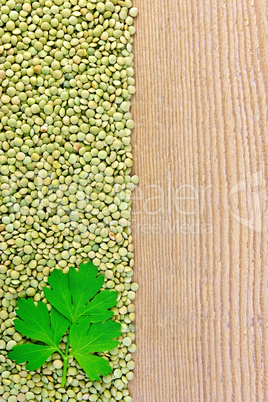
{"x":200,"y":210}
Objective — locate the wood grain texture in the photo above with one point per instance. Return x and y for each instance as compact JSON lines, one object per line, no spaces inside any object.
{"x":200,"y":210}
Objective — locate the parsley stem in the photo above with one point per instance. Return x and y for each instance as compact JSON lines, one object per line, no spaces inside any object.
{"x":60,"y":352}
{"x":65,"y":362}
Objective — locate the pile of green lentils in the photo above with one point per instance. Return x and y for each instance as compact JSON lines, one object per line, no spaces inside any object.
{"x":66,"y":79}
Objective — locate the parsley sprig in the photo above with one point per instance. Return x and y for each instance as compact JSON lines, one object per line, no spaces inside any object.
{"x":79,"y":307}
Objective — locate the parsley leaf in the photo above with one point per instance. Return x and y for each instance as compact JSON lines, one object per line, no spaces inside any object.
{"x":35,"y":355}
{"x":87,"y":339}
{"x":72,"y":294}
{"x":34,"y":322}
{"x":76,"y":304}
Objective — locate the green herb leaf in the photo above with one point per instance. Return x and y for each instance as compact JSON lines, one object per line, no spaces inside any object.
{"x":72,"y":294}
{"x":35,"y":355}
{"x":92,"y":365}
{"x":35,"y":323}
{"x":97,"y":307}
{"x":89,"y":338}
{"x":74,"y":298}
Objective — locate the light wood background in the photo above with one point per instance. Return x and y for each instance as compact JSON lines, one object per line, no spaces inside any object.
{"x":200,"y":211}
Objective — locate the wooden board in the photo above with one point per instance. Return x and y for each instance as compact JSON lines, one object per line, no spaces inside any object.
{"x":200,"y":211}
